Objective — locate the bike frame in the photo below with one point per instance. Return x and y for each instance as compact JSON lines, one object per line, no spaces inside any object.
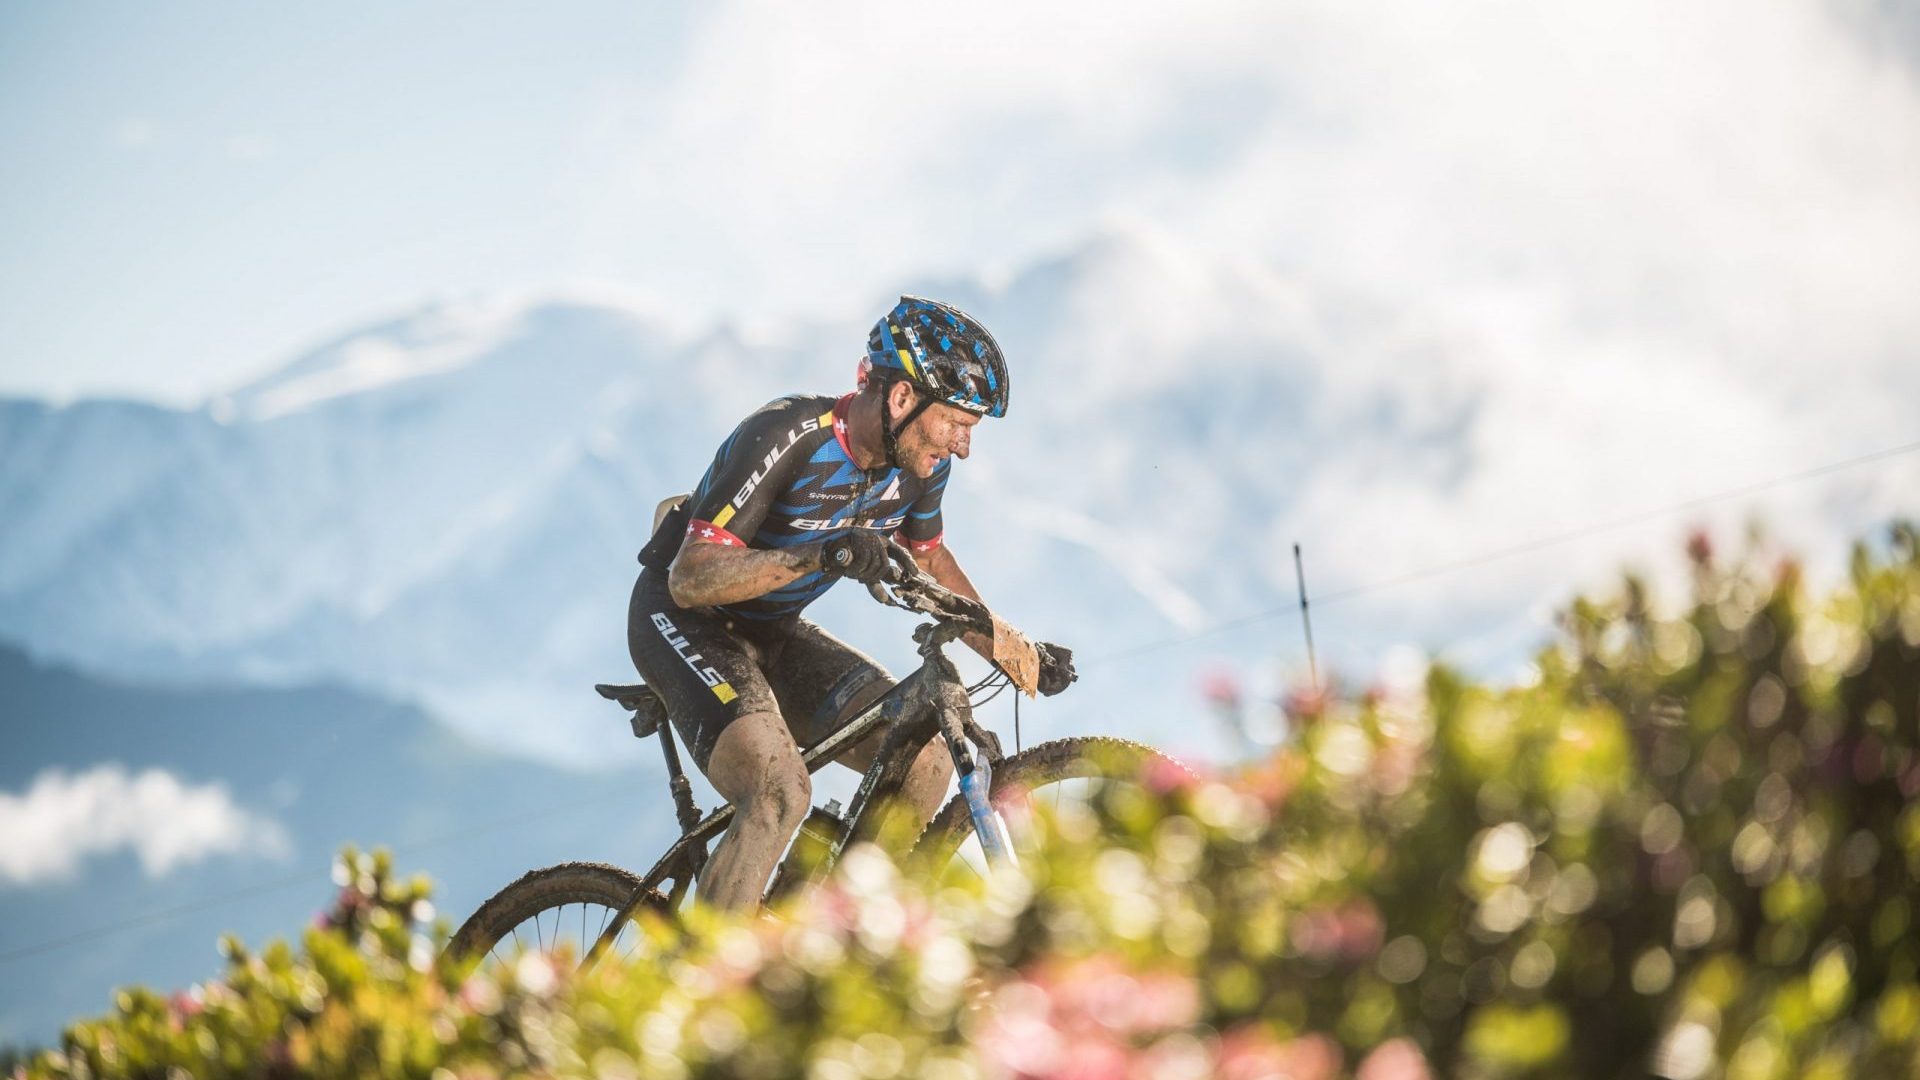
{"x":930,"y":701}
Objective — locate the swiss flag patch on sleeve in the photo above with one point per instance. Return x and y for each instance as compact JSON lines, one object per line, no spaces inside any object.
{"x":713,"y":534}
{"x":919,"y":547}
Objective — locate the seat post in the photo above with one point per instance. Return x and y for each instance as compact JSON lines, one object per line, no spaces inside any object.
{"x":683,"y":806}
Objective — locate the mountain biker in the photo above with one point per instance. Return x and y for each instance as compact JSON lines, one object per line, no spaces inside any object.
{"x":804,"y":492}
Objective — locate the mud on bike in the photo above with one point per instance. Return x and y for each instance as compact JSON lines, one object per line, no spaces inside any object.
{"x":589,"y":908}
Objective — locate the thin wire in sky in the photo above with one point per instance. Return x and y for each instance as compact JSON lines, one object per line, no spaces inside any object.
{"x":1536,"y":544}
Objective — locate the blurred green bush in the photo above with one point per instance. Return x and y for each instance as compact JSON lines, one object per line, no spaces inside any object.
{"x":1687,"y":849}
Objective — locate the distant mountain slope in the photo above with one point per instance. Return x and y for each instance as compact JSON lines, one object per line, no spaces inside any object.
{"x":445,"y":506}
{"x":331,"y":766}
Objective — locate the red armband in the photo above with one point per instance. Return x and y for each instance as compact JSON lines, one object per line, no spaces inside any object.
{"x":919,"y":547}
{"x":713,"y":534}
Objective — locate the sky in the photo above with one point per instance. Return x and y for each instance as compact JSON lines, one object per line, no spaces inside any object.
{"x":1633,"y":254}
{"x":1646,"y":252}
{"x":1609,"y":256}
{"x":199,"y":192}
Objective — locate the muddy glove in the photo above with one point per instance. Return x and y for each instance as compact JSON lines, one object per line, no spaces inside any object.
{"x":1056,"y":668}
{"x":860,"y":554}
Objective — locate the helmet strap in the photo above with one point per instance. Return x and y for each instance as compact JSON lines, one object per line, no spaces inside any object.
{"x":889,"y":432}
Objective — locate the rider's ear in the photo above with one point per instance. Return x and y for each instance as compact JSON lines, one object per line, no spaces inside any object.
{"x":900,"y":396}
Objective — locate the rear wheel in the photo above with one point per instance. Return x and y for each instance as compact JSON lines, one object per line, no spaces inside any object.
{"x":558,"y":910}
{"x":1064,"y":776}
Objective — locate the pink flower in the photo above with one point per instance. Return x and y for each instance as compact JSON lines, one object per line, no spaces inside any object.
{"x":1091,"y":1058}
{"x":1221,"y":689}
{"x":1351,"y":933}
{"x":838,"y":910}
{"x":1310,"y":1057}
{"x":1251,"y":1052}
{"x":1166,"y":1001}
{"x":1165,"y":776}
{"x":1360,"y":930}
{"x":1394,"y":767}
{"x":1395,"y":1059}
{"x":1018,"y":1037}
{"x":1305,"y":704}
{"x":1787,"y":575}
{"x":1700,"y":547}
{"x":1271,"y":781}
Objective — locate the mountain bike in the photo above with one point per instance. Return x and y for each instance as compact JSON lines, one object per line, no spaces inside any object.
{"x":969,"y":834}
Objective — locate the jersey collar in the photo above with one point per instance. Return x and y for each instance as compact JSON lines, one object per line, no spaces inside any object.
{"x":842,"y":409}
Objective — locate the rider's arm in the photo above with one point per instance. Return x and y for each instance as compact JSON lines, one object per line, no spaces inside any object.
{"x":715,"y":564}
{"x":940,"y":564}
{"x":707,"y":573}
{"x":923,"y":532}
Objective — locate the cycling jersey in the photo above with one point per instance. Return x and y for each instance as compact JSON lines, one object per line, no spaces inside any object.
{"x":786,"y":477}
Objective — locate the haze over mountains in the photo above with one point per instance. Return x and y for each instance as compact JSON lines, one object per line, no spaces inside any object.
{"x":444,"y":507}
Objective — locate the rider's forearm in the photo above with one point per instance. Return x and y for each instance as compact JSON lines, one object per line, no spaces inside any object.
{"x":704,"y":574}
{"x":945,"y":569}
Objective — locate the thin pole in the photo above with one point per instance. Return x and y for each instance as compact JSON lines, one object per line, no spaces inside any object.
{"x":1306,"y":620}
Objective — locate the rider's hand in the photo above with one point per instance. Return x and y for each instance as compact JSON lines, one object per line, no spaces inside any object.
{"x":860,"y":554}
{"x":1056,"y":668}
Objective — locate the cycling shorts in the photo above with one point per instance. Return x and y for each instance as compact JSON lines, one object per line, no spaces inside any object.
{"x":712,"y":669}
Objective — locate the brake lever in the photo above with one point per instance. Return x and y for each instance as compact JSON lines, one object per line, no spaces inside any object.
{"x":987,"y":741}
{"x":916,"y":590}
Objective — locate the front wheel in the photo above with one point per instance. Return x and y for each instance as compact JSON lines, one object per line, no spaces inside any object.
{"x":1053,"y":774}
{"x":558,"y":910}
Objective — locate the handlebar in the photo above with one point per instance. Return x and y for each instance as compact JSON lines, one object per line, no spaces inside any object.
{"x":907,"y":586}
{"x":914,"y":589}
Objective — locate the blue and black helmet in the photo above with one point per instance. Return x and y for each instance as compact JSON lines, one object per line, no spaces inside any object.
{"x":943,"y":350}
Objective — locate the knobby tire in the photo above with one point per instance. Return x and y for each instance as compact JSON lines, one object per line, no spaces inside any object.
{"x":542,"y":890}
{"x":1091,"y":757}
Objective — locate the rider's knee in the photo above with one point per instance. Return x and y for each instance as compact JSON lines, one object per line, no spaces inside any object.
{"x":786,"y":791}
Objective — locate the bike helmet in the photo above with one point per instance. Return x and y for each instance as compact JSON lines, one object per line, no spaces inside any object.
{"x":942,"y":350}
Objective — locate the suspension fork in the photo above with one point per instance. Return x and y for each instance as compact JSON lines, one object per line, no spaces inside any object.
{"x":954,"y":714}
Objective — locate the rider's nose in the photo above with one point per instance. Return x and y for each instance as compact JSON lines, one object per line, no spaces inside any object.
{"x":962,"y":444}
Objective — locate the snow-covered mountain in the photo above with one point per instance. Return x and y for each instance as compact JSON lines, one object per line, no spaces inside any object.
{"x":445,"y":506}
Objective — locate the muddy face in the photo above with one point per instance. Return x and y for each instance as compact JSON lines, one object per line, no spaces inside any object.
{"x":935,"y":435}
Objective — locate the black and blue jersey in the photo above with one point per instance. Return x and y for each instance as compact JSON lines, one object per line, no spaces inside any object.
{"x":786,"y":477}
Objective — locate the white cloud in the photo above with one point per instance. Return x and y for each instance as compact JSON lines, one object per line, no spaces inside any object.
{"x":1647,"y":253}
{"x":61,"y":820}
{"x":1639,"y":161}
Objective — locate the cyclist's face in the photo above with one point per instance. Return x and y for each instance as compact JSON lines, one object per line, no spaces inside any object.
{"x":936,"y":434}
